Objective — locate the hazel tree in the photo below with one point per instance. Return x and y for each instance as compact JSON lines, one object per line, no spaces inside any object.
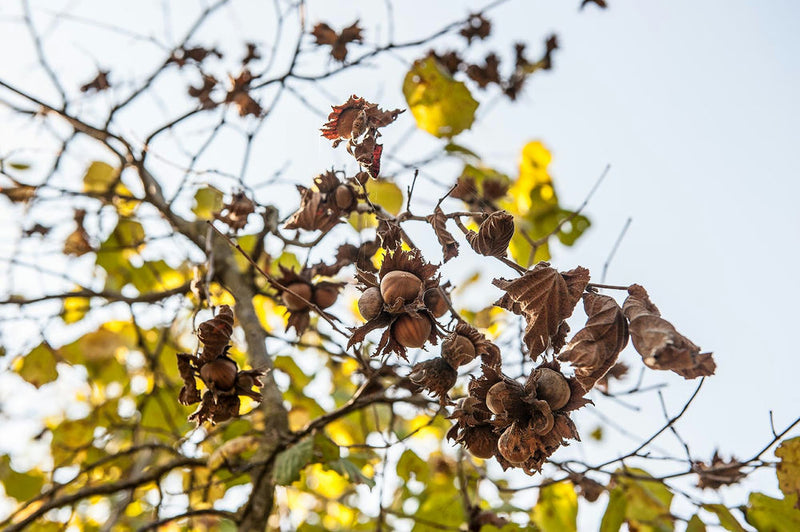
{"x":236,"y":346}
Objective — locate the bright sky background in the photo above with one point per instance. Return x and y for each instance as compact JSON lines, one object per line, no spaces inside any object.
{"x":694,"y":105}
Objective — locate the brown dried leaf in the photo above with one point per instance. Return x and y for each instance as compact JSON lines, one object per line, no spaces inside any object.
{"x":546,"y":298}
{"x":239,"y":94}
{"x":198,"y":54}
{"x":203,"y":93}
{"x":389,"y":233}
{"x":19,"y":193}
{"x":313,"y":214}
{"x":477,"y":27}
{"x":718,"y":473}
{"x":325,"y":35}
{"x":99,"y":83}
{"x":235,"y":212}
{"x":595,"y":348}
{"x":493,"y":235}
{"x":617,"y":372}
{"x":657,"y":341}
{"x":341,"y":120}
{"x":599,"y":3}
{"x":77,"y":242}
{"x":446,"y":240}
{"x":487,"y":73}
{"x":451,"y":61}
{"x":252,"y":53}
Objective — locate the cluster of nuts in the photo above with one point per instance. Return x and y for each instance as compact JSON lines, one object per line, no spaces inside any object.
{"x":323,"y":205}
{"x":519,"y":424}
{"x":298,"y":293}
{"x":460,"y":347}
{"x":220,"y":374}
{"x":405,"y":298}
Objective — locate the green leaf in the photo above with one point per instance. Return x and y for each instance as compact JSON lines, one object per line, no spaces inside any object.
{"x":207,"y":201}
{"x":39,"y":366}
{"x":99,"y":177}
{"x":615,"y":511}
{"x":557,"y":508}
{"x":460,"y":151}
{"x":411,"y":463}
{"x":441,"y":105}
{"x":773,"y":515}
{"x":695,"y":524}
{"x":645,"y":504}
{"x":115,"y":253}
{"x":443,"y":508}
{"x":726,"y":518}
{"x":352,"y":472}
{"x":325,"y":450}
{"x":289,"y":463}
{"x":788,"y":469}
{"x":21,"y":486}
{"x":286,"y":364}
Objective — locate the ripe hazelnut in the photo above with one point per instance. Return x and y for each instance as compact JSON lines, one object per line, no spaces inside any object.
{"x":504,"y":398}
{"x":513,"y":444}
{"x":411,"y":331}
{"x":435,"y":302}
{"x":219,"y":373}
{"x":370,"y":304}
{"x":344,"y":197}
{"x":400,"y":285}
{"x":292,"y":301}
{"x":551,"y":386}
{"x":481,"y":441}
{"x":458,"y":350}
{"x":325,"y":295}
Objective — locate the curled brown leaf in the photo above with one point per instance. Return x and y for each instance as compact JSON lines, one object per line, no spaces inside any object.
{"x":595,"y":348}
{"x":656,"y":340}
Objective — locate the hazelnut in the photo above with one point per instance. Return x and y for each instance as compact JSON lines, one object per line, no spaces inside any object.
{"x":219,"y":374}
{"x":435,"y":302}
{"x":292,"y":301}
{"x":551,"y":386}
{"x":513,"y":444}
{"x":400,"y":285}
{"x":504,"y":398}
{"x":411,"y":331}
{"x":370,"y":304}
{"x":344,"y":197}
{"x":325,"y":295}
{"x":481,"y":441}
{"x":458,"y":350}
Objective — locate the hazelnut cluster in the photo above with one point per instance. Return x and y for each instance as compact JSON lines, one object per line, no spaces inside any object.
{"x":519,"y":424}
{"x":460,"y":347}
{"x":298,"y":293}
{"x":323,"y":205}
{"x":220,"y":374}
{"x":404,"y":298}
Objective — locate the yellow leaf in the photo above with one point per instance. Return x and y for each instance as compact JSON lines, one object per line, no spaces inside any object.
{"x":207,"y":201}
{"x":39,"y":366}
{"x":788,"y":469}
{"x":441,"y":105}
{"x":99,"y":177}
{"x":557,"y":509}
{"x":74,"y":309}
{"x":386,"y":194}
